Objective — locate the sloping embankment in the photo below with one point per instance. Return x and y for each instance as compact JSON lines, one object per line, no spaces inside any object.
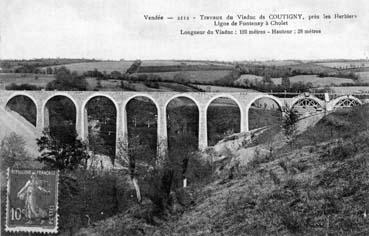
{"x":13,"y":122}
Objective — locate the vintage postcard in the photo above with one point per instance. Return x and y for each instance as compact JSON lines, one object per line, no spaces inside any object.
{"x":191,"y":117}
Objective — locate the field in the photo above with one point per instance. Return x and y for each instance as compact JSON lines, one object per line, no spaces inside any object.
{"x":115,"y":85}
{"x":202,"y":72}
{"x":210,"y":88}
{"x":176,"y":87}
{"x":345,"y":64}
{"x":251,"y":78}
{"x":363,"y":76}
{"x":38,"y":80}
{"x":193,"y":76}
{"x":317,"y":81}
{"x":203,"y":76}
{"x":350,"y":90}
{"x":122,"y":65}
{"x":314,"y":79}
{"x":107,"y":66}
{"x":274,"y":63}
{"x":181,"y":62}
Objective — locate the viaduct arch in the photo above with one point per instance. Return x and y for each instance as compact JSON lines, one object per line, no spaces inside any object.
{"x":31,"y":116}
{"x":307,"y":102}
{"x":84,"y":116}
{"x":192,"y":100}
{"x":345,"y":101}
{"x":206,"y":110}
{"x":161,"y":100}
{"x":44,"y":109}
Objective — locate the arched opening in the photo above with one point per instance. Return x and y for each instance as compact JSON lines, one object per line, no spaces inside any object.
{"x":346,"y":102}
{"x":142,"y":115}
{"x":100,"y":117}
{"x":306,"y":105}
{"x":60,"y":118}
{"x":223,"y":119}
{"x":265,"y":112}
{"x":182,"y":125}
{"x":183,"y":136}
{"x":24,"y":106}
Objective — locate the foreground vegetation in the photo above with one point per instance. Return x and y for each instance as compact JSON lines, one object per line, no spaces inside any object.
{"x":318,"y":185}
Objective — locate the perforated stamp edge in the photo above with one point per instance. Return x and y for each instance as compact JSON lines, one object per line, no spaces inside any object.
{"x":33,"y":229}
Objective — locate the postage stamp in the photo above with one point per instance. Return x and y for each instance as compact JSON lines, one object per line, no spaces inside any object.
{"x":32,"y":201}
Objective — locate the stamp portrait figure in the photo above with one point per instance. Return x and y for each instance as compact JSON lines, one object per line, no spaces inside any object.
{"x":29,"y":193}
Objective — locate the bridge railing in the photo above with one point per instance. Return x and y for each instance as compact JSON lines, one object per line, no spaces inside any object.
{"x":332,"y":95}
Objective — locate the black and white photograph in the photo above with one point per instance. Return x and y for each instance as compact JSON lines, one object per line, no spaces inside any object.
{"x":193,"y":117}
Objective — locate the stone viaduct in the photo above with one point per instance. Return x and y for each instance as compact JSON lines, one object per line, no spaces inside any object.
{"x":244,"y":100}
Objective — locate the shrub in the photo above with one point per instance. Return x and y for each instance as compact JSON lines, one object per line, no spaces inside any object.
{"x":289,"y":123}
{"x":151,"y":84}
{"x":14,"y":86}
{"x":292,"y":220}
{"x":67,"y":81}
{"x":88,"y":196}
{"x":134,"y":67}
{"x":340,"y":152}
{"x":127,"y":86}
{"x":67,"y":152}
{"x":12,"y":152}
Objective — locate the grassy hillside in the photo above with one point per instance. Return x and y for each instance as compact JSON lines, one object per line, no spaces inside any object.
{"x":35,"y":79}
{"x":123,"y":65}
{"x":107,"y":66}
{"x":318,"y":185}
{"x":194,"y":76}
{"x":346,"y":64}
{"x":314,"y":79}
{"x":213,"y":73}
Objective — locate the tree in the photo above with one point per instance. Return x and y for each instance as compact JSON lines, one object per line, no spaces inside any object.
{"x":115,"y":74}
{"x":67,"y":81}
{"x":286,"y":82}
{"x":62,"y":153}
{"x":12,"y":151}
{"x":14,"y":86}
{"x":290,"y":118}
{"x":181,"y":151}
{"x":134,"y":67}
{"x":335,"y":123}
{"x":127,"y":156}
{"x":49,"y":70}
{"x":134,"y":158}
{"x":98,"y":84}
{"x":267,"y":79}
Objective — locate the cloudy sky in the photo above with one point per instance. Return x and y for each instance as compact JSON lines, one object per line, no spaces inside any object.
{"x":116,"y":29}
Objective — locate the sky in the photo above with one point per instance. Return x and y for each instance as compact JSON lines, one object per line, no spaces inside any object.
{"x":117,"y":29}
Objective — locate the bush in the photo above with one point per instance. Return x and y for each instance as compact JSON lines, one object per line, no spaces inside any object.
{"x":63,"y":152}
{"x":289,"y":123}
{"x":13,"y":153}
{"x":158,"y":183}
{"x":151,"y":84}
{"x":14,"y":86}
{"x":127,"y":86}
{"x":88,"y":196}
{"x":134,"y":67}
{"x":67,"y":81}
